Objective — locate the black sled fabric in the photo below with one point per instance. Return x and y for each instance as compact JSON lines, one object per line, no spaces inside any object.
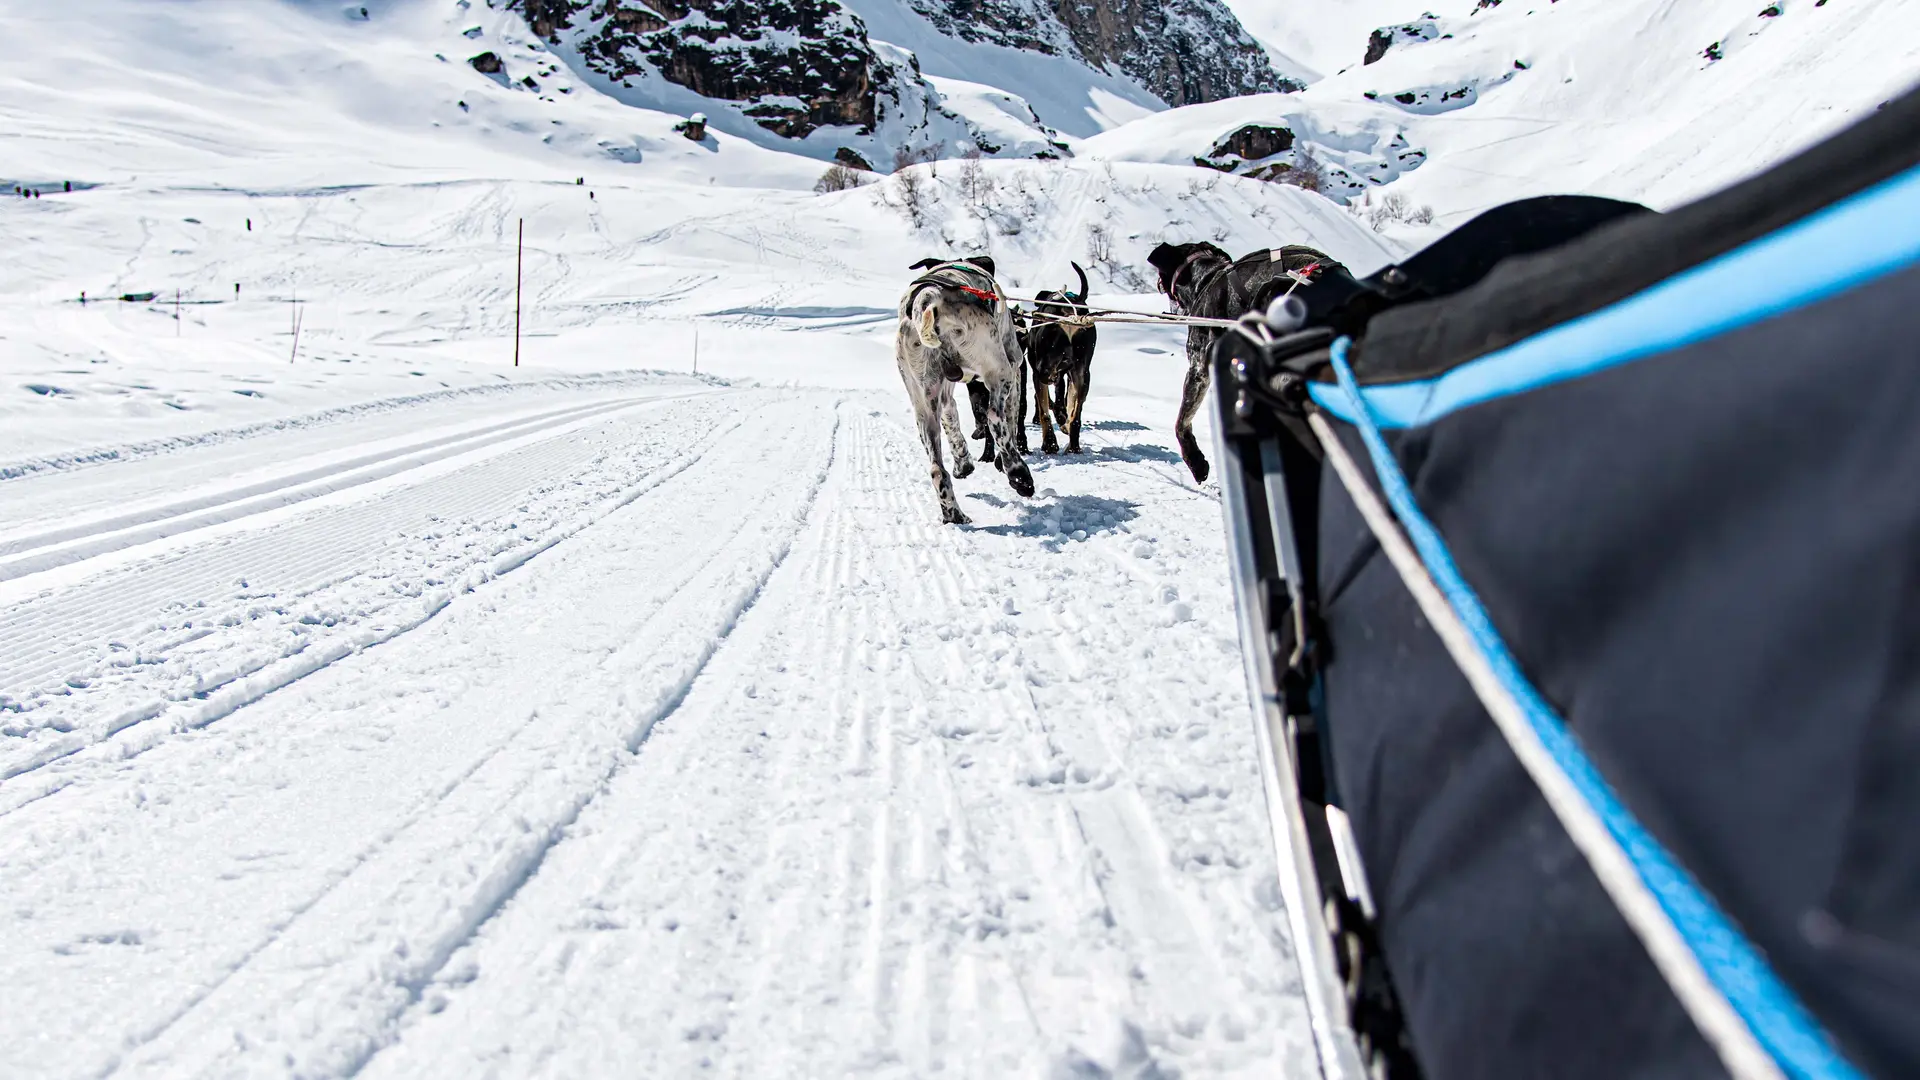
{"x":1708,"y":561}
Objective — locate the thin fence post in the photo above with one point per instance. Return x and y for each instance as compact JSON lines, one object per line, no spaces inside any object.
{"x":519,"y":261}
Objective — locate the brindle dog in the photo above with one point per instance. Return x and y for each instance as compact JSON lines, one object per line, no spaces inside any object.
{"x":1202,"y":280}
{"x":955,"y":325}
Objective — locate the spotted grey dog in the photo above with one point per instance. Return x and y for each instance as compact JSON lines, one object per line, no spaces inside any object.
{"x":954,"y":326}
{"x":1203,"y":280}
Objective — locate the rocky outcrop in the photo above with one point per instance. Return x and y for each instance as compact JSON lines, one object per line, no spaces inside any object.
{"x":793,"y":67}
{"x":1339,"y":166}
{"x":1250,"y":142}
{"x":1184,"y":51}
{"x":1426,"y":28}
{"x":796,"y":65}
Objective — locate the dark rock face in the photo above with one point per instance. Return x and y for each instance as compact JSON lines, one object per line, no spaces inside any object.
{"x":851,"y":159}
{"x":1254,"y":141}
{"x":1185,"y":51}
{"x":1425,"y":28}
{"x":486,"y":63}
{"x":1377,"y":46}
{"x":797,"y":64}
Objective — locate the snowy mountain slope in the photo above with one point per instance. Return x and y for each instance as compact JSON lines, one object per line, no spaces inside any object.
{"x":299,"y":95}
{"x":1616,"y":99}
{"x":1069,"y":95}
{"x":1183,"y":52}
{"x":1312,"y":39}
{"x":274,"y":170}
{"x":1355,"y":147}
{"x":796,"y":67}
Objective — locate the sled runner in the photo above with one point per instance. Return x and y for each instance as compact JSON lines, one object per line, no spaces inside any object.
{"x":1578,"y":569}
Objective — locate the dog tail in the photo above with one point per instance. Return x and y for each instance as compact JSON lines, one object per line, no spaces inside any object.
{"x":928,"y":336}
{"x":1082,"y":298}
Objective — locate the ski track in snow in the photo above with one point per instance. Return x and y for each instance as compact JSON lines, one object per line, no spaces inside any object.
{"x":757,"y":770}
{"x":185,"y":640}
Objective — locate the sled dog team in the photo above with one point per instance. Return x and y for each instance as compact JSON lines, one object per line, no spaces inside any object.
{"x":957,"y":326}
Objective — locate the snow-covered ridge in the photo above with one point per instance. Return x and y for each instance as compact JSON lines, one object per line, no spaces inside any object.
{"x":1635,"y":99}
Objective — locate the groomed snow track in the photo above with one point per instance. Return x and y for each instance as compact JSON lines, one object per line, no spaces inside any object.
{"x":655,"y":737}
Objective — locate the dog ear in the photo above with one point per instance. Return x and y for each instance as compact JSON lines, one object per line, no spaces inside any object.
{"x":924,"y":263}
{"x":1167,"y":256}
{"x":1167,"y":259}
{"x":984,"y":262}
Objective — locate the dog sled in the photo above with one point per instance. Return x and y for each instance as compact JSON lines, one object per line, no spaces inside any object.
{"x":1578,"y":569}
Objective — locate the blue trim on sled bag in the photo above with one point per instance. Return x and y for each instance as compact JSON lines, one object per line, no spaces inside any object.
{"x":1737,"y":969}
{"x":1850,"y":243}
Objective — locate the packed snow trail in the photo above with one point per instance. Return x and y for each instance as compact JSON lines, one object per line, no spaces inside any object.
{"x":188,"y":637}
{"x":919,"y":799}
{"x":973,"y":802}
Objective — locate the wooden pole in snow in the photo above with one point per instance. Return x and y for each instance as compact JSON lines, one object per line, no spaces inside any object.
{"x":519,"y":260}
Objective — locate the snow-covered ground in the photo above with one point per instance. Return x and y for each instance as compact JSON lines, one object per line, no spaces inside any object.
{"x":369,"y":705}
{"x":676,"y":736}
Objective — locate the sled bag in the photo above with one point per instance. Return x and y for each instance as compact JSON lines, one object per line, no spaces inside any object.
{"x":1678,"y":459}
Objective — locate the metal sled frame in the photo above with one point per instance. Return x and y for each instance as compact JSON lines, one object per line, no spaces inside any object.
{"x":1270,"y":488}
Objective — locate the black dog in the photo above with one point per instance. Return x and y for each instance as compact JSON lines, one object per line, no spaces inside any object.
{"x":977,"y":394}
{"x":1202,"y":280}
{"x":1060,"y":362}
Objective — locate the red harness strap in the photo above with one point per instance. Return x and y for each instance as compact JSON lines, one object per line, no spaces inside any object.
{"x":981,"y":293}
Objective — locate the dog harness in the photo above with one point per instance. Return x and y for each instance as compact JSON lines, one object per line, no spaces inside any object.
{"x":932,"y":279}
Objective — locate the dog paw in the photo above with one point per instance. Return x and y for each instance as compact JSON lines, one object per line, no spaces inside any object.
{"x":1197,"y":464}
{"x":1074,"y":448}
{"x":1021,"y":479}
{"x":1049,"y":448}
{"x":952,"y":516}
{"x":963,"y":470}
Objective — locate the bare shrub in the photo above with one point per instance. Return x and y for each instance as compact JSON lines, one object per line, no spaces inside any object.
{"x":910,"y":187}
{"x":975,"y":185}
{"x":1307,"y":173}
{"x":1393,"y":208}
{"x":838,"y":177}
{"x":1099,"y":244}
{"x":906,"y":157}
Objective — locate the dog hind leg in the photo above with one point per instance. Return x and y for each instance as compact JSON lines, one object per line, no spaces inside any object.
{"x":1017,"y":418}
{"x":977,"y":396}
{"x":1042,"y":391}
{"x":1003,"y":407}
{"x":927,"y":413}
{"x":950,"y":423}
{"x":1077,"y":380}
